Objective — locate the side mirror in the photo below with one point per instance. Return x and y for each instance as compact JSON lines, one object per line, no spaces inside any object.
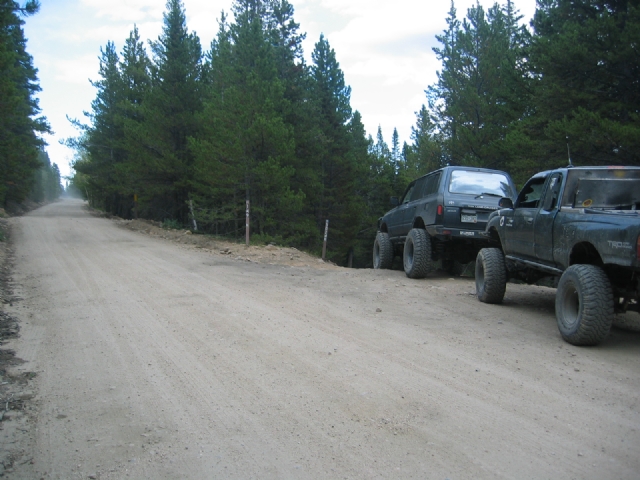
{"x":394,"y":201}
{"x":505,"y":203}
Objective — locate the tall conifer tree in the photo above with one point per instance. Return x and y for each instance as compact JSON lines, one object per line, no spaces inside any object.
{"x":341,"y":168}
{"x":136,"y":82}
{"x":103,"y":139}
{"x":481,"y":88}
{"x":247,"y":148}
{"x":425,"y":152}
{"x":169,"y":112}
{"x":584,"y":57}
{"x":19,"y":121}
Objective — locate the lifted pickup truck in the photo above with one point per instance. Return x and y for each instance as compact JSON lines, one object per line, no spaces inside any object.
{"x":441,"y":216}
{"x":580,"y":226}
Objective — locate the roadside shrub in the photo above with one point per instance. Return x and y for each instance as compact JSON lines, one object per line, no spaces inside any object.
{"x":171,"y":224}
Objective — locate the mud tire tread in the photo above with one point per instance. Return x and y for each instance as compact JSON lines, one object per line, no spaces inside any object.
{"x":382,"y":251}
{"x":491,"y":275}
{"x":584,"y":305}
{"x":416,"y":257}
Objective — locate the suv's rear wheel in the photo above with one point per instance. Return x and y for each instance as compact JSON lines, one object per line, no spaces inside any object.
{"x":584,"y":305}
{"x":417,"y":254}
{"x":491,"y":275}
{"x":382,"y":251}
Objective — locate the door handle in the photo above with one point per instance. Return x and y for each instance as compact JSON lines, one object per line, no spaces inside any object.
{"x":530,"y":220}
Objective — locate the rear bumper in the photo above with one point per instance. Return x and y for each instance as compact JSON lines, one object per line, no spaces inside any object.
{"x":444,"y":233}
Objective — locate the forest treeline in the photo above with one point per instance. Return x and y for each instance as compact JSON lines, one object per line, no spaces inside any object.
{"x":177,"y":133}
{"x":26,"y":172}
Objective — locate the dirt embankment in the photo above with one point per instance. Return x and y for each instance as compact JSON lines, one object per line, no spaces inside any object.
{"x":267,"y":254}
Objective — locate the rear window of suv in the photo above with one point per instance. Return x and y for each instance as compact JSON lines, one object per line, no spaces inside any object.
{"x":478,"y":183}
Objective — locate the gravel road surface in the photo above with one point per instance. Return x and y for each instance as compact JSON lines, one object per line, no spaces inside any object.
{"x":157,"y":360}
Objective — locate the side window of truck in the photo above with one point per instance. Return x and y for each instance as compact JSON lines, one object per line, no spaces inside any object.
{"x":418,"y":188}
{"x":408,"y":193}
{"x":431,"y":184}
{"x":530,"y":195}
{"x":553,"y":192}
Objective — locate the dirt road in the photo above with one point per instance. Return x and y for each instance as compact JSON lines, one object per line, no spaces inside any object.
{"x":159,"y":360}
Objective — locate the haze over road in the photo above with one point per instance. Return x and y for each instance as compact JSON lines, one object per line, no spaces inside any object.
{"x":156,"y":360}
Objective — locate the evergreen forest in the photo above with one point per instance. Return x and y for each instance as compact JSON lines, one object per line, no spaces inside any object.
{"x":190,"y":135}
{"x":26,"y":172}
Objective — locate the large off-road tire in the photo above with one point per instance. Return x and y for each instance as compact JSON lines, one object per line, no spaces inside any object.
{"x":491,"y":275}
{"x":417,"y":254}
{"x":382,"y":251}
{"x":584,"y":305}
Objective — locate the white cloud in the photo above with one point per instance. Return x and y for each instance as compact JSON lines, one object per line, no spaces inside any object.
{"x":128,"y":11}
{"x":385,"y":51}
{"x":76,"y":71}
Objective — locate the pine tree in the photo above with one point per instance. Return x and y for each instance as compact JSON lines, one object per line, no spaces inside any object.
{"x":442,"y":96}
{"x":216,"y":187}
{"x":19,"y":123}
{"x":247,"y":149}
{"x":383,"y":183}
{"x":360,"y":204}
{"x":46,"y":182}
{"x":135,"y":74}
{"x":332,"y":92}
{"x":299,"y":110}
{"x":381,"y":149}
{"x":481,"y":91}
{"x":425,"y":153}
{"x":341,"y":169}
{"x":103,"y":138}
{"x":108,"y":163}
{"x":136,"y":82}
{"x":169,"y":112}
{"x":396,"y":153}
{"x":584,"y":59}
{"x":283,"y":33}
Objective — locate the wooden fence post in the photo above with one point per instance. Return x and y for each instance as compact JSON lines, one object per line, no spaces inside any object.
{"x":324,"y":243}
{"x":193,"y":216}
{"x":247,"y":225}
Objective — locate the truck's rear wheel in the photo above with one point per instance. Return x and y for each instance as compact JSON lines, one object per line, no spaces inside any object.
{"x":584,"y":305}
{"x":417,"y":254}
{"x":491,"y":275}
{"x":382,"y":251}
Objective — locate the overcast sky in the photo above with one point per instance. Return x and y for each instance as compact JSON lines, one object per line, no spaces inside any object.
{"x":384,"y":48}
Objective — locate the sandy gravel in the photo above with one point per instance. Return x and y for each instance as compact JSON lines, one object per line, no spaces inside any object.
{"x":161,"y":360}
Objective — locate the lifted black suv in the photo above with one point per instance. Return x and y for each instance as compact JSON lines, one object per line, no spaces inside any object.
{"x":441,"y":216}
